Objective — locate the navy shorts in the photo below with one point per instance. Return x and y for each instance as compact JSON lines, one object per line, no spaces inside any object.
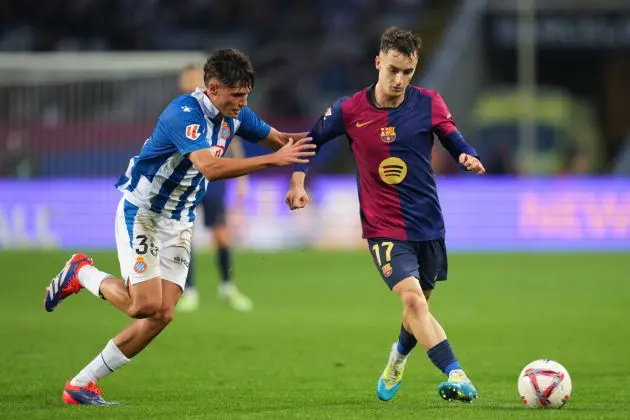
{"x":396,"y":260}
{"x":213,"y":204}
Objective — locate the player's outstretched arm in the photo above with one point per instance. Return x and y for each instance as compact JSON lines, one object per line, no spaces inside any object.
{"x":328,"y":127}
{"x":276,"y":139}
{"x":213,"y":168}
{"x":451,"y":138}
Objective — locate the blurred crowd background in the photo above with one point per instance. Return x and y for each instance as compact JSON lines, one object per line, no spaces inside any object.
{"x":82,"y":81}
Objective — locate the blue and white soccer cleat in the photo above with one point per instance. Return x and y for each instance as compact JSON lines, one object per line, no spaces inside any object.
{"x":458,"y":387}
{"x":66,"y":282}
{"x":391,"y":378}
{"x":84,"y":395}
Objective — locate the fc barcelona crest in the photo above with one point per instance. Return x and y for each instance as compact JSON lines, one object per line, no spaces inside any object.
{"x":388,"y":134}
{"x":387,"y":270}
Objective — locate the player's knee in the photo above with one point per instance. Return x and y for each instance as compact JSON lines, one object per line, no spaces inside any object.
{"x":146,"y":309}
{"x":414,"y":303}
{"x":165,"y":316}
{"x":159,"y":321}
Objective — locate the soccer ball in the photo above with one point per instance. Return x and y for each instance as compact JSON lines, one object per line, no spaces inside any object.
{"x":544,"y":383}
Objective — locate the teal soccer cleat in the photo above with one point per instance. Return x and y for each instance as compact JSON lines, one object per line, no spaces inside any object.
{"x":458,"y":387}
{"x":391,"y":378}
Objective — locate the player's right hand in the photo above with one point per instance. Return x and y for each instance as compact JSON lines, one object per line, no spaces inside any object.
{"x":472,"y":164}
{"x":295,"y":152}
{"x":296,"y":198}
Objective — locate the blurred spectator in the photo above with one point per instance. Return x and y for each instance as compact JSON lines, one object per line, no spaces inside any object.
{"x":621,"y":165}
{"x":16,"y":160}
{"x":566,"y":138}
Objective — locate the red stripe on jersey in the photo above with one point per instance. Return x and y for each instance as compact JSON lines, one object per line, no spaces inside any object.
{"x":381,"y":213}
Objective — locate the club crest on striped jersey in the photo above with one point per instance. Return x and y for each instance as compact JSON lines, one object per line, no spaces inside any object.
{"x":140,"y":265}
{"x":224,"y":133}
{"x":392,"y":170}
{"x":192,"y":131}
{"x":388,"y":134}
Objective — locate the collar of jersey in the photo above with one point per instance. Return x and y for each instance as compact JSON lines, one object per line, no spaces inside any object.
{"x":369,"y":96}
{"x":207,"y":107}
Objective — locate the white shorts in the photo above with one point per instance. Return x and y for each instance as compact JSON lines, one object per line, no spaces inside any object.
{"x":151,"y":245}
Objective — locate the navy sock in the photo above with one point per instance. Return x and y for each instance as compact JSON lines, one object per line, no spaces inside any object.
{"x":443,"y":357}
{"x":406,"y":341}
{"x":223,"y":258}
{"x":190,"y":277}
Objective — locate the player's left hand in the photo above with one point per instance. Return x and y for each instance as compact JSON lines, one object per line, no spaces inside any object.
{"x":296,"y":198}
{"x":472,"y":164}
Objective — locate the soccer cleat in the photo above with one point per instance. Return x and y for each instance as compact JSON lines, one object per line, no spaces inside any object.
{"x":189,"y":302}
{"x":236,"y":299}
{"x":84,"y":395}
{"x":458,"y":387}
{"x":66,"y":282}
{"x":391,"y":378}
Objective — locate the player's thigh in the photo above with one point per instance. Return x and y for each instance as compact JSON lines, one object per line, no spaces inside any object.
{"x":395,"y":260}
{"x":432,"y":262}
{"x":175,"y":240}
{"x":147,"y":296}
{"x":137,"y":244}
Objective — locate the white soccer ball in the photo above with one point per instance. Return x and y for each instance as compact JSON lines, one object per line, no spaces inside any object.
{"x":544,"y":383}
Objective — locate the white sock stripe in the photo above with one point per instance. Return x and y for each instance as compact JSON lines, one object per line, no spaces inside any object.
{"x":105,"y":363}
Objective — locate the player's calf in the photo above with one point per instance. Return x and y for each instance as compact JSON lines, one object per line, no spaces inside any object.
{"x":416,"y":316}
{"x":140,"y":300}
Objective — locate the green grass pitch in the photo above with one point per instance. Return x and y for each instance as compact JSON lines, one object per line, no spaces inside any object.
{"x":319,"y":338}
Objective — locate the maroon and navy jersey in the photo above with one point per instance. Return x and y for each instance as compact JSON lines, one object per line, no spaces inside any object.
{"x":392,"y":148}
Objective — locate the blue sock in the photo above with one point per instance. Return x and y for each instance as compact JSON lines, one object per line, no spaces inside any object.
{"x":224,"y":264}
{"x":406,"y":341}
{"x":443,"y":357}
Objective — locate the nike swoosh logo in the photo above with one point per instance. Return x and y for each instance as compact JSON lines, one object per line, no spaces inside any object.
{"x":359,"y":125}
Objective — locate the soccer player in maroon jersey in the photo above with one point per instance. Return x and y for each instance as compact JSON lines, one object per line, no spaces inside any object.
{"x":391,"y":126}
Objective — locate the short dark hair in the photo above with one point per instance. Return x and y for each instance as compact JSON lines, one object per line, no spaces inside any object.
{"x":230,"y":66}
{"x":403,"y":41}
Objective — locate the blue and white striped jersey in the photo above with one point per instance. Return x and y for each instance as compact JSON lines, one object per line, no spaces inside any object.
{"x":162,"y":178}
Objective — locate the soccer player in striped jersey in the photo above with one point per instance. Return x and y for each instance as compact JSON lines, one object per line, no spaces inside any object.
{"x":161,"y":189}
{"x":215,"y":219}
{"x":390,"y":126}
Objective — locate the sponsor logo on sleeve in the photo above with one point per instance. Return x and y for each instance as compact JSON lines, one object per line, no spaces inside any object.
{"x":192,"y":131}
